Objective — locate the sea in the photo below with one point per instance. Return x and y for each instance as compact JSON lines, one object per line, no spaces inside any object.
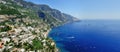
{"x":88,"y":36}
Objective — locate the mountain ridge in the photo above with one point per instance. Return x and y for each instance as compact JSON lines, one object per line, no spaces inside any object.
{"x":43,"y":9}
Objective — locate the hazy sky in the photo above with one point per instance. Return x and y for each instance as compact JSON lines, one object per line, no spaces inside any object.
{"x":86,"y":9}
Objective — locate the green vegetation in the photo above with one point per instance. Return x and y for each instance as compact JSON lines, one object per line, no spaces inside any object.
{"x":27,"y":46}
{"x":6,"y":28}
{"x":44,"y":30}
{"x":7,"y":10}
{"x":37,"y":44}
{"x":34,"y":33}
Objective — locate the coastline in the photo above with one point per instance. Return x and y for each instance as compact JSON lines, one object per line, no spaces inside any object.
{"x":47,"y":35}
{"x":58,"y":46}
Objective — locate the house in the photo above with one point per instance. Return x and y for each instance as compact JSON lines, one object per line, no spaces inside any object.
{"x":5,"y":40}
{"x":22,"y":50}
{"x":2,"y":18}
{"x":52,"y":44}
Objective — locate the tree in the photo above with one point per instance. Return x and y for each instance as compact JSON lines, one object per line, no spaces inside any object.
{"x":6,"y":28}
{"x":37,"y":44}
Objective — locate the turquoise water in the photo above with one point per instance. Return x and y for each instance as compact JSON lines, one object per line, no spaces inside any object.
{"x":88,"y":36}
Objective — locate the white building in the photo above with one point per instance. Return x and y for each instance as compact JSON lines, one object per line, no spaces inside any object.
{"x":22,"y":50}
{"x":6,"y":39}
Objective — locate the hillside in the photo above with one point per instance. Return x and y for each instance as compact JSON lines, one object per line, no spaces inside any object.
{"x":24,"y":26}
{"x":52,"y":16}
{"x":22,"y":30}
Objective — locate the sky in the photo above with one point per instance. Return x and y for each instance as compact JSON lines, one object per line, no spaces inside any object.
{"x":85,"y":9}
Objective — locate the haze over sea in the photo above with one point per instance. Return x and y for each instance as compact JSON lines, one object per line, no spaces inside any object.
{"x":88,"y":36}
